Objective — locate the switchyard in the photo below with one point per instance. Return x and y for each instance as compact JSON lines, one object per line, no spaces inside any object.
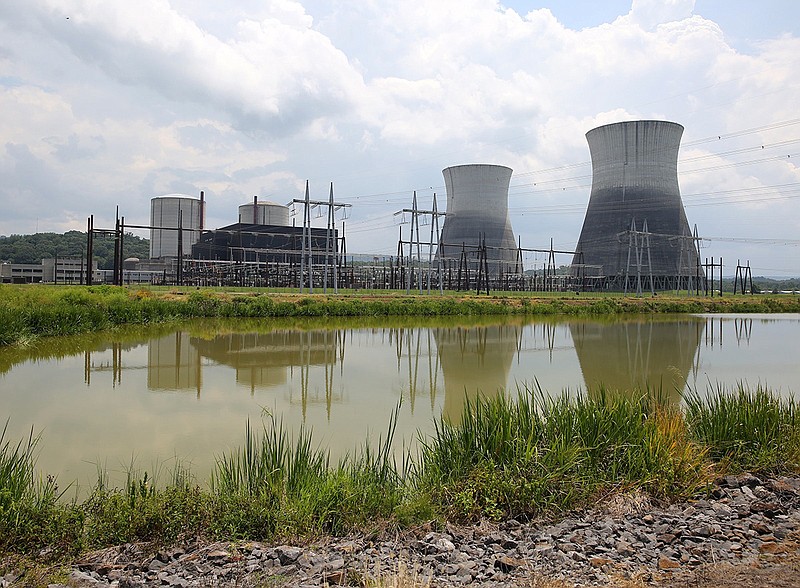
{"x":635,"y":236}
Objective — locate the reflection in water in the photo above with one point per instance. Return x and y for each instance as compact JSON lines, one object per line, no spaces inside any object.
{"x":638,"y":355}
{"x":173,"y":364}
{"x":417,"y":361}
{"x":263,"y":360}
{"x":624,"y":355}
{"x":93,"y":396}
{"x":475,"y":360}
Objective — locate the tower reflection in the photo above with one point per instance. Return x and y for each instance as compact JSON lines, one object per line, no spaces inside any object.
{"x":474,"y":361}
{"x":635,"y":355}
{"x":264,"y":360}
{"x":173,"y":363}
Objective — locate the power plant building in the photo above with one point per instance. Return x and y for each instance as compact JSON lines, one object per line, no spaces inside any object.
{"x":167,"y":214}
{"x":477,"y":215}
{"x":264,"y":213}
{"x":247,"y":242}
{"x":635,"y":227}
{"x":264,"y":233}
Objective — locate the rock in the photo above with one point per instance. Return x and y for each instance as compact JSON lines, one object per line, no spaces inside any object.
{"x":218,"y":554}
{"x":335,"y":577}
{"x":667,"y":564}
{"x":80,"y":579}
{"x":334,"y":564}
{"x":728,"y":524}
{"x":288,"y":554}
{"x":508,"y":564}
{"x":760,"y":528}
{"x":175,"y":581}
{"x":624,"y":549}
{"x":768,"y":509}
{"x":667,"y":538}
{"x":730,"y":482}
{"x":771,"y":548}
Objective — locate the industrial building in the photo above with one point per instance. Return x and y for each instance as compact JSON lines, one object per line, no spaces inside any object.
{"x":476,"y":224}
{"x":635,"y":234}
{"x":247,"y":242}
{"x":61,"y":270}
{"x":264,"y":233}
{"x":177,"y":220}
{"x":264,"y":212}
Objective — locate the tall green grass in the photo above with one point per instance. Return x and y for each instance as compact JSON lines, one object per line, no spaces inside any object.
{"x":31,"y":311}
{"x":538,"y":453}
{"x":746,"y":429}
{"x":29,"y":507}
{"x":274,"y":483}
{"x":531,"y":455}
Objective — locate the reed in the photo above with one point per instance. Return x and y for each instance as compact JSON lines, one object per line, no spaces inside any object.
{"x":540,"y":453}
{"x":746,"y":429}
{"x":143,"y":511}
{"x":523,"y":457}
{"x":29,"y":508}
{"x":276,"y":484}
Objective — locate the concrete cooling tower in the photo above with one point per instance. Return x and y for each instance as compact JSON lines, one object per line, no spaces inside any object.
{"x":477,"y":210}
{"x":635,"y":181}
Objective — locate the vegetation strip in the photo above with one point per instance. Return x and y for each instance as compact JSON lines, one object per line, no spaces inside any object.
{"x":28,"y":312}
{"x":505,"y":459}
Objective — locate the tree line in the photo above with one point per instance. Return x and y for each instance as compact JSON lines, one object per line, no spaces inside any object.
{"x":34,"y":248}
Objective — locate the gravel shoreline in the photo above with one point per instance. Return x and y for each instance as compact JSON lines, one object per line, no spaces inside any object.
{"x":745,"y":520}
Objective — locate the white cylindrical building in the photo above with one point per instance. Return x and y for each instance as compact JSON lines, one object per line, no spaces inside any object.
{"x":264,"y":212}
{"x":168,"y":213}
{"x":477,"y":213}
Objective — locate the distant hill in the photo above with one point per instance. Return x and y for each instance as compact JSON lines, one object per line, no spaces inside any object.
{"x":762,"y":284}
{"x":34,"y":248}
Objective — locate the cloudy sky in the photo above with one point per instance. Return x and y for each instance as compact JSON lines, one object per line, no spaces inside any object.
{"x":110,"y":102}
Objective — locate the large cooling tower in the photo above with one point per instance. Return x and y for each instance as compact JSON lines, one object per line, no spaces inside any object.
{"x":635,"y":181}
{"x":167,"y":213}
{"x":477,"y":211}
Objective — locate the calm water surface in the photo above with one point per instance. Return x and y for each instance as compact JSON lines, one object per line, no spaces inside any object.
{"x":143,"y":397}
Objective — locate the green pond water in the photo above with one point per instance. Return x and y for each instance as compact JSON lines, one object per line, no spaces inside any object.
{"x":143,"y":398}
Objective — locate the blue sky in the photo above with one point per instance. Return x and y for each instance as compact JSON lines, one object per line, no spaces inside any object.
{"x":742,"y":21}
{"x":113,"y":103}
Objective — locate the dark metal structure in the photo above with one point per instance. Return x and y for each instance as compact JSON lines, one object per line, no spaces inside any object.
{"x":246,"y":242}
{"x":635,"y":234}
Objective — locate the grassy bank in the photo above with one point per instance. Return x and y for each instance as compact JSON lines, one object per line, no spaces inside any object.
{"x":27,"y":312}
{"x":523,"y":458}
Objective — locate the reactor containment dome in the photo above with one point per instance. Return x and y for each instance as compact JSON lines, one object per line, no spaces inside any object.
{"x":261,"y":212}
{"x":477,"y":215}
{"x":635,"y":226}
{"x":169,"y":213}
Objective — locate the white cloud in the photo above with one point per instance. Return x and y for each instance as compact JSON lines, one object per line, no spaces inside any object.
{"x":651,"y":13}
{"x":123,"y":101}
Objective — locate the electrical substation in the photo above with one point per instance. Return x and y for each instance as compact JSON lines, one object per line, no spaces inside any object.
{"x":635,"y":235}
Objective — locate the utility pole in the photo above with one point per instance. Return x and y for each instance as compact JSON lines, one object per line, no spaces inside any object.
{"x":415,"y":239}
{"x":307,"y":250}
